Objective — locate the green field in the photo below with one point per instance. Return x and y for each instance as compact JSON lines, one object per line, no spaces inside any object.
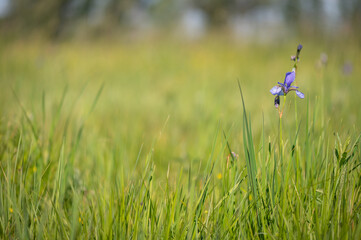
{"x":132,"y":138}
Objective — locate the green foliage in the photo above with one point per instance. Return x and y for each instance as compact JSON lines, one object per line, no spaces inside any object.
{"x":124,"y":142}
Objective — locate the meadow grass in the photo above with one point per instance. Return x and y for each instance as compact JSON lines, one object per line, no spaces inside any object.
{"x":134,"y":140}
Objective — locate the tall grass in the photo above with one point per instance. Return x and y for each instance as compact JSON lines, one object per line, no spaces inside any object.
{"x":69,"y":171}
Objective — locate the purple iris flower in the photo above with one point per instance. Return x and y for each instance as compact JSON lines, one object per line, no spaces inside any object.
{"x":297,"y":57}
{"x":299,"y":47}
{"x":283,"y":88}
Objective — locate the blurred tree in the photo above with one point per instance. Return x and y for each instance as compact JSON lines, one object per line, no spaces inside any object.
{"x":218,"y":11}
{"x":54,"y":17}
{"x":351,"y":12}
{"x":292,"y":11}
{"x":28,"y":15}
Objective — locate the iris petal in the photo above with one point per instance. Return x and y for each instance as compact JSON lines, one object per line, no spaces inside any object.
{"x":276,"y":90}
{"x":290,"y":77}
{"x":299,"y":94}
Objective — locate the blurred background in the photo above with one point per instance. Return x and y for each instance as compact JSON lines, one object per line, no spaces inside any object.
{"x":264,"y":20}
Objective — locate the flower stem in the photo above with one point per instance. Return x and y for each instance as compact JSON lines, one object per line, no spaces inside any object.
{"x":280,"y":128}
{"x":296,"y":117}
{"x":296,"y":110}
{"x":280,"y":134}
